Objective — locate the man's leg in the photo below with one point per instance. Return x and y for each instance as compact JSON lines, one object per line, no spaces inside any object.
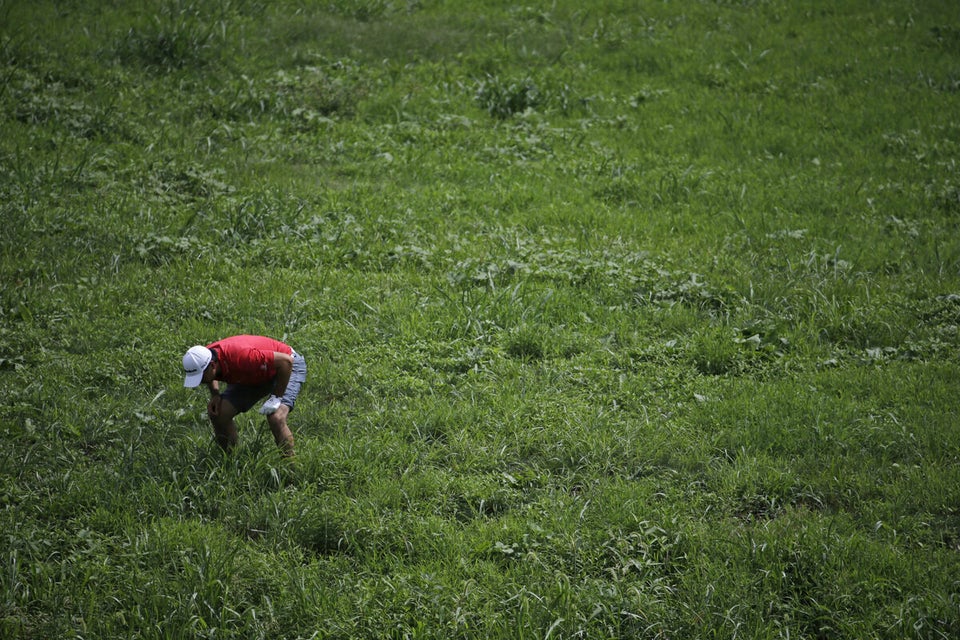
{"x":224,"y":428}
{"x":278,"y":419}
{"x":281,"y":432}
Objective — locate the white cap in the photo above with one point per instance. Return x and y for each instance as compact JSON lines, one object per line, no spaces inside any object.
{"x":195,"y":361}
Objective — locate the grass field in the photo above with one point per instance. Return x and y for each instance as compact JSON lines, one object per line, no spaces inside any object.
{"x":623,"y":319}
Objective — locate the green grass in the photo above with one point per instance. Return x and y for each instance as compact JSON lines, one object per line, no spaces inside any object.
{"x":633,"y":319}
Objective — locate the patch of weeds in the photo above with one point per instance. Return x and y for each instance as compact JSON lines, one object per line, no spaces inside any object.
{"x":177,"y":36}
{"x":527,"y":140}
{"x":762,"y":490}
{"x":475,"y":272}
{"x":621,"y":191}
{"x":238,"y":99}
{"x":311,"y":95}
{"x":173,"y":182}
{"x":649,"y":549}
{"x":947,"y":199}
{"x":944,"y":309}
{"x":667,"y":288}
{"x":432,"y":429}
{"x":15,"y":301}
{"x":758,"y":507}
{"x":935,"y":332}
{"x":160,"y":250}
{"x":521,"y":542}
{"x":718,"y":351}
{"x":862,"y":328}
{"x":32,"y":176}
{"x":629,"y":188}
{"x":679,"y":188}
{"x":251,"y":218}
{"x":714,"y":352}
{"x":12,"y":362}
{"x":909,"y":228}
{"x":763,"y":339}
{"x":946,"y":37}
{"x":554,"y":260}
{"x":411,"y":255}
{"x":567,"y":344}
{"x":480,"y":497}
{"x":505,"y":98}
{"x":321,"y":529}
{"x":525,"y":343}
{"x":368,"y":10}
{"x":52,"y":104}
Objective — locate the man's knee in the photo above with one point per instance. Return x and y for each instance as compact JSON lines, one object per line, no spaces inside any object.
{"x":278,"y":419}
{"x":220,"y":422}
{"x":225,"y":414}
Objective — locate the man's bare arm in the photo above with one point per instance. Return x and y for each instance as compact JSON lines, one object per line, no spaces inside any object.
{"x":283,"y":363}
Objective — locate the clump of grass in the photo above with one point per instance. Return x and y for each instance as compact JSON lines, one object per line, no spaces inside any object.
{"x":178,"y":35}
{"x":505,"y":98}
{"x":525,"y":343}
{"x":367,"y":10}
{"x":714,"y":352}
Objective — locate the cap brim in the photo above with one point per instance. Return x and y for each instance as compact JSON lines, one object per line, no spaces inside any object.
{"x":193,"y":380}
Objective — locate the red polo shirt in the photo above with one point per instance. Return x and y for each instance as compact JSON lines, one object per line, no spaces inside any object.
{"x":247,"y":359}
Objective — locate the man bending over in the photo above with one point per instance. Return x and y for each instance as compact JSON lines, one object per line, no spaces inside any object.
{"x":253,"y":367}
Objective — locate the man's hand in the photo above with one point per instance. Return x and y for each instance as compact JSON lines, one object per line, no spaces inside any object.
{"x":271,"y":405}
{"x":213,"y":407}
